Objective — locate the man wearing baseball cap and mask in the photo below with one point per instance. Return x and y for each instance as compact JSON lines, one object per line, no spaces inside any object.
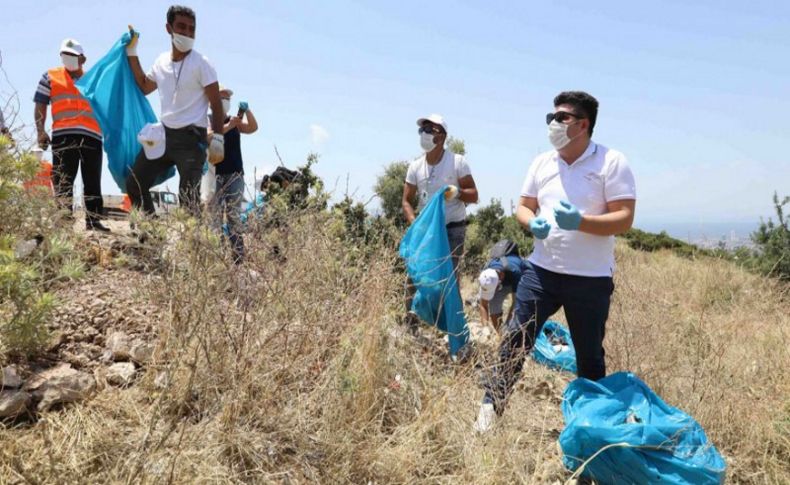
{"x":438,"y":167}
{"x":187,"y":84}
{"x":76,"y":136}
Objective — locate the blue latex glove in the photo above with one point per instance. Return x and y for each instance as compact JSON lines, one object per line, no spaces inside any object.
{"x":539,"y":227}
{"x":567,"y":216}
{"x":243,"y":106}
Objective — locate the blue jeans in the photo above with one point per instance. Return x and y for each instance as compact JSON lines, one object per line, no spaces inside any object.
{"x":227,"y":206}
{"x":539,"y":295}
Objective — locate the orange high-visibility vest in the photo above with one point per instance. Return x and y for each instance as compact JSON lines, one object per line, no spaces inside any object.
{"x":69,"y":108}
{"x":42,"y":179}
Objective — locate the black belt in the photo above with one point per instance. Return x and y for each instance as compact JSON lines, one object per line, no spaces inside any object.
{"x":453,"y":225}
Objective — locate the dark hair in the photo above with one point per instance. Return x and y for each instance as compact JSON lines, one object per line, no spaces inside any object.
{"x":584,"y":105}
{"x":179,"y":10}
{"x":282,"y":174}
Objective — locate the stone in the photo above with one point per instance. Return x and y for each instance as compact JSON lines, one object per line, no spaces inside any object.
{"x":61,"y":384}
{"x":38,"y":379}
{"x":162,"y":380}
{"x":121,"y":374}
{"x":10,"y":378}
{"x":119,"y":346}
{"x":142,"y":352}
{"x":56,"y":341}
{"x":13,"y":403}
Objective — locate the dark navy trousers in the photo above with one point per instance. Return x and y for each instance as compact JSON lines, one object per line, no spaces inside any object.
{"x":539,"y":295}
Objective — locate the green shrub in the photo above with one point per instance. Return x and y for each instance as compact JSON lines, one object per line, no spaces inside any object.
{"x":29,"y":216}
{"x":773,"y":243}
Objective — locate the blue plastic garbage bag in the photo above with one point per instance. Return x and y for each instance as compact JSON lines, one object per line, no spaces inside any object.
{"x":253,"y":208}
{"x":120,"y":108}
{"x":554,"y":347}
{"x":654,"y":442}
{"x":426,"y":250}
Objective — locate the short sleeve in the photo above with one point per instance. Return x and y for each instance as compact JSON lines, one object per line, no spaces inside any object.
{"x":620,"y":183}
{"x":208,"y":75}
{"x":461,"y":167}
{"x":411,"y":173}
{"x":43,"y":89}
{"x":530,"y":186}
{"x":151,"y":74}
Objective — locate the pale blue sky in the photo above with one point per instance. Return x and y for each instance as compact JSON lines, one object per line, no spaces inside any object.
{"x":694,"y":93}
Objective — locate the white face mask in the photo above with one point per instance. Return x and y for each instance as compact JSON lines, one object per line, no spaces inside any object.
{"x":183,"y":43}
{"x":71,"y":63}
{"x":426,"y":142}
{"x":558,"y":134}
{"x":226,"y":106}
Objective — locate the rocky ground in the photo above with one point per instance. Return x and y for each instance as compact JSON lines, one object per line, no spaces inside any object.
{"x":102,"y":333}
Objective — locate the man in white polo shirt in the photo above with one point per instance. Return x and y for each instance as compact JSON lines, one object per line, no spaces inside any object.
{"x":427,"y":174}
{"x":187,"y":84}
{"x":574,"y":200}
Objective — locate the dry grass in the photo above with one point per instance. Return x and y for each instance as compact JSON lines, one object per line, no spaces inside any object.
{"x":295,"y":380}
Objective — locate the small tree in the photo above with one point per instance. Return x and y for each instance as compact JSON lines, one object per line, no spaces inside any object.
{"x":389,"y":189}
{"x":456,"y":145}
{"x":483,"y":231}
{"x":773,"y":243}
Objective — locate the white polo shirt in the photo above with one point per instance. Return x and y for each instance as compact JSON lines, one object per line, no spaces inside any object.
{"x":181,"y":88}
{"x":599,"y":176}
{"x":430,"y":178}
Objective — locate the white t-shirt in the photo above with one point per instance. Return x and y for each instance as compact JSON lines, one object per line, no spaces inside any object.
{"x":430,"y":178}
{"x":599,"y":176}
{"x":181,"y":88}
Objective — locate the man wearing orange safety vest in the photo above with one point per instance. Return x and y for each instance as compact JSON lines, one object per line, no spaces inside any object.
{"x":76,"y":136}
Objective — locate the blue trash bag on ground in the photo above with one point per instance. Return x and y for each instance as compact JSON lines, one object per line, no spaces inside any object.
{"x":426,"y":251}
{"x":554,"y":347}
{"x":652,"y":442}
{"x":120,"y":108}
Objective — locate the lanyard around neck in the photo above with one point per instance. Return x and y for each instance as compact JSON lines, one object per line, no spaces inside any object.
{"x":180,"y":68}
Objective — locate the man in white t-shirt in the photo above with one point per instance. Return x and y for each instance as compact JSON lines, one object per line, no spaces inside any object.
{"x":187,"y":84}
{"x":575,"y":199}
{"x":426,"y":175}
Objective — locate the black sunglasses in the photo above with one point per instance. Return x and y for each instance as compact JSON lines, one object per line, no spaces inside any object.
{"x":430,"y":129}
{"x":561,"y":116}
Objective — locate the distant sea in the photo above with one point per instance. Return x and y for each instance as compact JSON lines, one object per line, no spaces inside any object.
{"x":705,"y":233}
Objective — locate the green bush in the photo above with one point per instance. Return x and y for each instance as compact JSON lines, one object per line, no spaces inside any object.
{"x":29,"y":216}
{"x":773,"y":244}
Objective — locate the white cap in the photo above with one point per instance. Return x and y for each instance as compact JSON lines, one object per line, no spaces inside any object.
{"x":38,"y":153}
{"x":152,"y":137}
{"x":435,"y":119}
{"x":489,"y":281}
{"x":71,"y":46}
{"x":222,"y":88}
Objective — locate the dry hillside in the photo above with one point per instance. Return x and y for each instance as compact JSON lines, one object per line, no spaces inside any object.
{"x":303,"y":374}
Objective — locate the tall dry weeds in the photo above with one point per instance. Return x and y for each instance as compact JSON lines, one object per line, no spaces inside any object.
{"x":302,"y":374}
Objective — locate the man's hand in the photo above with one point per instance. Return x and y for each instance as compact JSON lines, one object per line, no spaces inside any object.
{"x":243,"y":106}
{"x":216,"y":149}
{"x":451,"y":192}
{"x":567,"y":216}
{"x":234,"y":122}
{"x":43,"y":140}
{"x":539,"y":227}
{"x":129,"y":39}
